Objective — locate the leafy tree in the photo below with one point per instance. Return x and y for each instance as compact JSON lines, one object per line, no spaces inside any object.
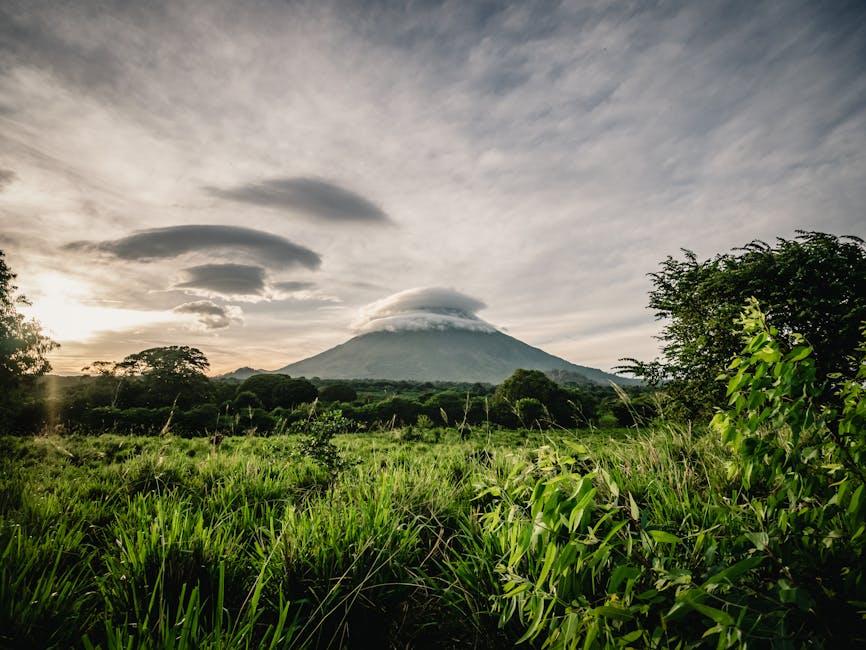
{"x":637,"y":409}
{"x":279,"y":390}
{"x":449,"y":402}
{"x":585,"y":402}
{"x":23,"y":350}
{"x":223,"y":390}
{"x":337,"y":393}
{"x":170,"y":375}
{"x":247,"y":399}
{"x":173,"y":360}
{"x":23,"y":346}
{"x":814,"y":284}
{"x":536,"y":385}
{"x":292,"y":392}
{"x":528,"y":383}
{"x":396,"y":408}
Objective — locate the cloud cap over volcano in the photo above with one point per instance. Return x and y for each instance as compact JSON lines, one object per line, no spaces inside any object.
{"x":423,"y":308}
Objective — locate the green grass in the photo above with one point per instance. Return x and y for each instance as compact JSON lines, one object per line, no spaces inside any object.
{"x":116,"y":541}
{"x":165,"y":541}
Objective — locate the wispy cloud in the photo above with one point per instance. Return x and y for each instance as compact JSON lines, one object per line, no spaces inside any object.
{"x":7,"y":177}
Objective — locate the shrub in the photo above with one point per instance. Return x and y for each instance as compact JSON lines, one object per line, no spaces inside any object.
{"x":279,"y":390}
{"x":198,"y":420}
{"x":536,"y":385}
{"x":256,"y":420}
{"x":398,"y":409}
{"x":782,"y":555}
{"x":317,"y":440}
{"x":337,"y":393}
{"x":246,"y":400}
{"x":24,"y":415}
{"x":608,"y":421}
{"x":803,"y":462}
{"x":530,"y":411}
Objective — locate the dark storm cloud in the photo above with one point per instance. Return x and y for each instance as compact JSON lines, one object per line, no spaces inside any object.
{"x":7,"y":177}
{"x":211,"y":315}
{"x":162,"y":243}
{"x":311,"y":196}
{"x":227,"y":279}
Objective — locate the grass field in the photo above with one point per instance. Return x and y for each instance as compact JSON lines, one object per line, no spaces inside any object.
{"x":117,"y":541}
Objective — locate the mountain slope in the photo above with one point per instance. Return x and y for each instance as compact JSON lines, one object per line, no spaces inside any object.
{"x":436,"y":354}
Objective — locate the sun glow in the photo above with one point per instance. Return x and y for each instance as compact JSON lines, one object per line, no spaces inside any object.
{"x":61,"y":305}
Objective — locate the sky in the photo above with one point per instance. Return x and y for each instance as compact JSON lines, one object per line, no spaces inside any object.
{"x":260,"y":179}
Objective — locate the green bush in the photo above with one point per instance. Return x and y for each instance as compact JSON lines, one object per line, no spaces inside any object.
{"x":608,"y":421}
{"x":199,"y":420}
{"x":275,"y":390}
{"x":530,"y":411}
{"x":317,"y":440}
{"x":337,"y":393}
{"x":246,"y":400}
{"x":424,"y":422}
{"x":782,"y":557}
{"x":255,"y":420}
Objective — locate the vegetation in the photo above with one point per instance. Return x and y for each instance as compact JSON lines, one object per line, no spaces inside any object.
{"x":280,"y":391}
{"x":169,"y":391}
{"x":771,"y":548}
{"x":165,"y":509}
{"x":23,"y":350}
{"x":813,"y":285}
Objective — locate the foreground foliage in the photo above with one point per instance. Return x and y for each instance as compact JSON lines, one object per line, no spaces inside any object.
{"x":778,"y":553}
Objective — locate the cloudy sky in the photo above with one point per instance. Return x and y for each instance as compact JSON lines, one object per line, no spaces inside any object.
{"x":246,"y":177}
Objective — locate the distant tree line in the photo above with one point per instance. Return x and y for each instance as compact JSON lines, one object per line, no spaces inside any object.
{"x":165,"y":389}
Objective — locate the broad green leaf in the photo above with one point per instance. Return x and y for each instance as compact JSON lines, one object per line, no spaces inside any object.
{"x":760,"y":540}
{"x":608,"y":611}
{"x":619,"y":575}
{"x":799,"y":353}
{"x":854,"y":504}
{"x":664,"y":537}
{"x":635,"y":513}
{"x":734,"y":571}
{"x":549,"y":557}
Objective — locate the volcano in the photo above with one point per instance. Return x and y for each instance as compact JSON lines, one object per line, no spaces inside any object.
{"x":434,"y":334}
{"x":437,"y":355}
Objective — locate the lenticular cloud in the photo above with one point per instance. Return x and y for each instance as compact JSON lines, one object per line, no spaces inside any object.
{"x":423,"y":308}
